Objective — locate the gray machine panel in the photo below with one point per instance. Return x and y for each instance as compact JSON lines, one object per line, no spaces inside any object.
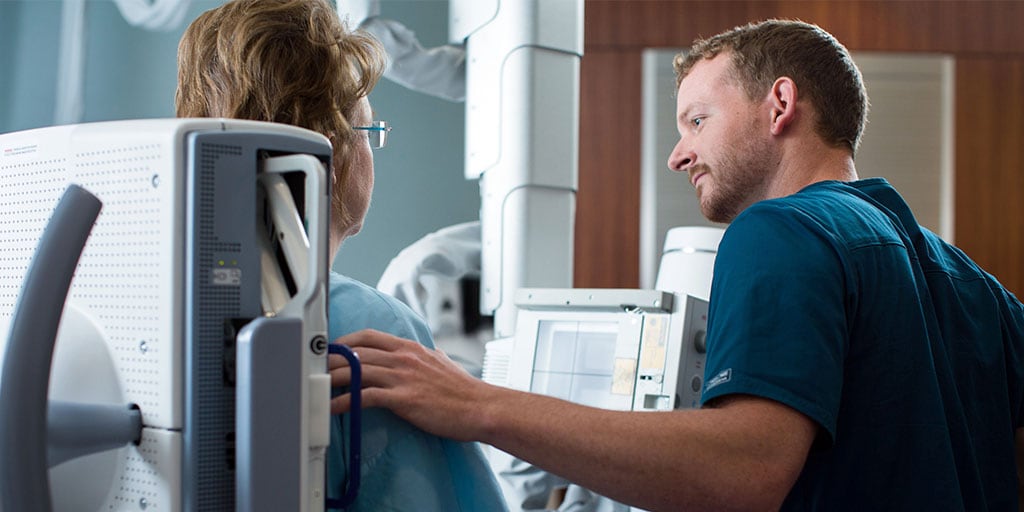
{"x":222,"y":284}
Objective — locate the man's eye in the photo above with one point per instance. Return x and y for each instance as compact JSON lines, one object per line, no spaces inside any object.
{"x":697,"y":121}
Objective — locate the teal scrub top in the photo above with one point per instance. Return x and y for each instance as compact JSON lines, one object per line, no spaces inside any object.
{"x":908,"y":356}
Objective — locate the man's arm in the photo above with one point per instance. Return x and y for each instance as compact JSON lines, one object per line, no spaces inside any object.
{"x":743,"y":453}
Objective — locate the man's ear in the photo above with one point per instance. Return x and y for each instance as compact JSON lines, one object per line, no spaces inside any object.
{"x":782,"y":99}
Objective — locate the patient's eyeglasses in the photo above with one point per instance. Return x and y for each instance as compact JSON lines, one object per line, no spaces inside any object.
{"x":377,"y":132}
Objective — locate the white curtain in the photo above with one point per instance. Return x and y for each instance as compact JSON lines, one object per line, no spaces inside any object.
{"x":161,"y":15}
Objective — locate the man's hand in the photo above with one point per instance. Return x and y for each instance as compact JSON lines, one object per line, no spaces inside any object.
{"x":421,"y":385}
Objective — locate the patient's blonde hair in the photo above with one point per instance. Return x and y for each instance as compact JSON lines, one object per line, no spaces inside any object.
{"x":285,"y":61}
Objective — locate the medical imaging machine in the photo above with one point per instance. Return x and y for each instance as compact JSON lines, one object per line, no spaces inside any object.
{"x":522,"y":135}
{"x":190,"y":368}
{"x":622,"y":349}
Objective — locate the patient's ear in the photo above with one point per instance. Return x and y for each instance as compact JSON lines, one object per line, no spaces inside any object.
{"x":782,"y":99}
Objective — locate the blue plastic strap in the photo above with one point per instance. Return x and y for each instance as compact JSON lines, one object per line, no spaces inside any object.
{"x":355,"y":419}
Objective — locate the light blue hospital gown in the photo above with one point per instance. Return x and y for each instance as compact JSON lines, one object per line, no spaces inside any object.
{"x":403,"y":468}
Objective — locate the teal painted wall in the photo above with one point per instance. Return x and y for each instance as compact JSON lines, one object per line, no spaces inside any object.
{"x":419,"y":185}
{"x":29,"y":38}
{"x":130,"y":74}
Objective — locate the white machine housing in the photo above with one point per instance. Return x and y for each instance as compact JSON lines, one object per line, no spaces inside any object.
{"x":688,"y":260}
{"x":522,"y":140}
{"x":621,"y":349}
{"x":173,"y":259}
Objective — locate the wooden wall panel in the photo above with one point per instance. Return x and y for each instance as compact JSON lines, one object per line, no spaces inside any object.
{"x":990,"y":165}
{"x":984,"y":37}
{"x":952,"y":26}
{"x":608,"y":200}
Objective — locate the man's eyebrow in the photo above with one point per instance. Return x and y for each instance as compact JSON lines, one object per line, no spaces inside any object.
{"x":685,"y":114}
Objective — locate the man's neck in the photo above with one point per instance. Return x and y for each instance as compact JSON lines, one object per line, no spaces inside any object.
{"x":810,"y":163}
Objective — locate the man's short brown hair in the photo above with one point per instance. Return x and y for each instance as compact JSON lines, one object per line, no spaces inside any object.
{"x":820,"y":66}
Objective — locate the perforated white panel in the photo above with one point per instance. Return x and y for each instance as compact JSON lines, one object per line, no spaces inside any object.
{"x":124,"y":278}
{"x":130,"y":270}
{"x":129,"y":276}
{"x":152,"y":475}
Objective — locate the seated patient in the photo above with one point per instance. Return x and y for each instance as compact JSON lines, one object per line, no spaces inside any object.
{"x":293,"y":62}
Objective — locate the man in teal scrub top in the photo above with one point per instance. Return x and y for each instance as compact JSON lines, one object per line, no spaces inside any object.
{"x":855,"y":360}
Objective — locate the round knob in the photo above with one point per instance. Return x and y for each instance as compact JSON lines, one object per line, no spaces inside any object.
{"x":700,"y":341}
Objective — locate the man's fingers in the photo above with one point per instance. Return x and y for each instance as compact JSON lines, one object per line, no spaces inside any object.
{"x":376,"y":377}
{"x":379,"y":368}
{"x":341,"y":404}
{"x":368,"y":356}
{"x":369,"y":338}
{"x":370,"y":398}
{"x":341,"y":377}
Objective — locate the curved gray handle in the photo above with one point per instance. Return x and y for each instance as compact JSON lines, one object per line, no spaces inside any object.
{"x":24,"y":383}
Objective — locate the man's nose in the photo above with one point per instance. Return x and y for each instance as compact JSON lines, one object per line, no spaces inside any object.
{"x":681,"y":158}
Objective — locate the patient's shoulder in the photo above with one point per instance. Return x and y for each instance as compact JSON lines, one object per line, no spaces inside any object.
{"x":354,"y":306}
